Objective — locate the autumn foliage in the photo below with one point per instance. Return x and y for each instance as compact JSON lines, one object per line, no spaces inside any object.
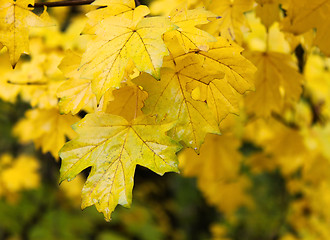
{"x":228,"y":92}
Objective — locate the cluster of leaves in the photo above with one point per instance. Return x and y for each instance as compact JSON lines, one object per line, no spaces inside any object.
{"x":153,"y":85}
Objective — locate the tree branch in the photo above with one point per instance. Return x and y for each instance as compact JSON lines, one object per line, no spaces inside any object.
{"x":63,"y":3}
{"x":26,"y":83}
{"x":69,"y":3}
{"x":280,"y":118}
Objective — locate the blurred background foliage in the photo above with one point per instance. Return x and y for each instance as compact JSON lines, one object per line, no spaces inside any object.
{"x":34,"y":206}
{"x":262,"y":180}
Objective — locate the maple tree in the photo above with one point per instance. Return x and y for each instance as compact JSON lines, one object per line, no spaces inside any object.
{"x":188,"y":85}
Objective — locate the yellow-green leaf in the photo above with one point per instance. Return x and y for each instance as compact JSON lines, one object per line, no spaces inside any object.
{"x":222,"y":94}
{"x":227,"y":58}
{"x":119,"y":39}
{"x":113,"y":147}
{"x":169,"y":100}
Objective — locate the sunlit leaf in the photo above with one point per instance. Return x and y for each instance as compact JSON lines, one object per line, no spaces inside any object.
{"x":113,"y":147}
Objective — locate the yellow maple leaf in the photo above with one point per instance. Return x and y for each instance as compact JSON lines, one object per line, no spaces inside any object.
{"x":265,"y":39}
{"x":17,"y":175}
{"x":223,"y":94}
{"x":300,"y":19}
{"x":127,"y":102}
{"x":15,"y":19}
{"x":268,"y":11}
{"x":8,"y":91}
{"x":76,"y":92}
{"x":317,"y":74}
{"x":164,"y":7}
{"x":227,"y":58}
{"x":46,"y":128}
{"x":175,"y":97}
{"x":277,"y":82}
{"x":119,"y":39}
{"x":38,"y":78}
{"x":71,"y":38}
{"x":232,"y":20}
{"x":113,"y":8}
{"x":22,"y":174}
{"x":217,"y":171}
{"x":113,"y":147}
{"x":189,"y":36}
{"x":75,"y":95}
{"x":287,"y":148}
{"x":169,"y":100}
{"x":283,"y":146}
{"x":318,"y":139}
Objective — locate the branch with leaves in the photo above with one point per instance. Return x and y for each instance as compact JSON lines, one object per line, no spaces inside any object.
{"x":153,"y":81}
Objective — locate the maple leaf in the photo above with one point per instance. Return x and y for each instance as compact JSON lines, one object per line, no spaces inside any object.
{"x":222,"y":95}
{"x":277,"y":82}
{"x":226,"y":57}
{"x":76,"y":92}
{"x":127,"y":102}
{"x":173,"y":96}
{"x":268,"y":11}
{"x":113,"y":8}
{"x":113,"y":147}
{"x":165,"y":7}
{"x":282,"y":145}
{"x":217,"y":169}
{"x":190,"y":37}
{"x":119,"y":39}
{"x":46,"y":128}
{"x":38,"y":78}
{"x":169,"y":100}
{"x":15,"y":18}
{"x":232,"y":17}
{"x":18,"y":174}
{"x":300,"y":19}
{"x":266,"y":39}
{"x":317,"y":75}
